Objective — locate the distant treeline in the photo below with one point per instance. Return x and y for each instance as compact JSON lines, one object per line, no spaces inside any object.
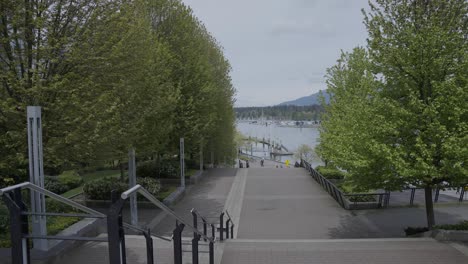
{"x":280,"y":112}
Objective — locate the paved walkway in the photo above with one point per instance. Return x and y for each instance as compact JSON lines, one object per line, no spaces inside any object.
{"x":286,"y":203}
{"x":283,"y":216}
{"x":208,"y":197}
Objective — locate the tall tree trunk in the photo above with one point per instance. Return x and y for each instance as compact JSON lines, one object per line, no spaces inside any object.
{"x":429,"y":207}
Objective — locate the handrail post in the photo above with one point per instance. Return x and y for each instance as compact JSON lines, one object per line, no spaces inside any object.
{"x":20,"y":253}
{"x":211,"y":252}
{"x":227,"y":228}
{"x":149,"y":247}
{"x":116,"y":238}
{"x":178,"y":243}
{"x":221,"y":224}
{"x":196,"y":238}
{"x":213,"y":231}
{"x":204,"y":228}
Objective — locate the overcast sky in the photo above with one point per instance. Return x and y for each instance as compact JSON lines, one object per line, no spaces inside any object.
{"x":280,"y":49}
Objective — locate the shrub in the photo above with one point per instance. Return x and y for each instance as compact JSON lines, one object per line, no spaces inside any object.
{"x":101,"y":189}
{"x":331,"y":172}
{"x":71,"y":179}
{"x":152,"y":185}
{"x":167,"y":168}
{"x":362,"y":198}
{"x":4,"y":219}
{"x":147,"y":169}
{"x":52,"y":184}
{"x":463,"y":225}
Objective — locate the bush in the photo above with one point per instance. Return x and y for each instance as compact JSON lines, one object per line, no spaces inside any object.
{"x":101,"y":189}
{"x":4,"y":219}
{"x":52,"y":184}
{"x":362,"y":199}
{"x":460,"y":226}
{"x":331,"y":172}
{"x":152,"y":185}
{"x":151,"y":169}
{"x":147,"y":169}
{"x":71,"y":179}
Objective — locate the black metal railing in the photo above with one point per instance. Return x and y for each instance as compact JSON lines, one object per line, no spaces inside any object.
{"x":19,"y":224}
{"x":181,"y":224}
{"x":345,"y":200}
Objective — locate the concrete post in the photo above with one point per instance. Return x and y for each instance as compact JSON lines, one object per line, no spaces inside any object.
{"x":182,"y":163}
{"x":132,"y":182}
{"x":36,"y":175}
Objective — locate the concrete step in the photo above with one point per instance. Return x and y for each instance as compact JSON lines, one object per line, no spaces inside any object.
{"x":350,"y":251}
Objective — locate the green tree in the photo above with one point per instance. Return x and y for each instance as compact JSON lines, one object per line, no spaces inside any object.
{"x":408,"y":125}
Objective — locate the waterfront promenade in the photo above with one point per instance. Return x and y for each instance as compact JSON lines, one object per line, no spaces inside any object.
{"x":282,"y":215}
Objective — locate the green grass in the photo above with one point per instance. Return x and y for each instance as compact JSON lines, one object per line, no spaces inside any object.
{"x":190,"y":172}
{"x":100,"y":174}
{"x":73,"y":192}
{"x":162,"y":195}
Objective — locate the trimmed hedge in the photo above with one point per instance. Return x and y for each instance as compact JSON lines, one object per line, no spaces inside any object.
{"x":52,"y":184}
{"x":330,"y":172}
{"x":101,"y":189}
{"x":164,"y":169}
{"x":71,"y":179}
{"x":462,"y":226}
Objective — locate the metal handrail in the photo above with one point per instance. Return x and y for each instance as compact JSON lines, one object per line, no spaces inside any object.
{"x":55,"y":196}
{"x":202,"y":217}
{"x":138,"y":188}
{"x":136,"y":228}
{"x":227,"y":213}
{"x":93,"y":213}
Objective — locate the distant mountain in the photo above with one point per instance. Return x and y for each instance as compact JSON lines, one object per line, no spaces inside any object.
{"x":313,"y":99}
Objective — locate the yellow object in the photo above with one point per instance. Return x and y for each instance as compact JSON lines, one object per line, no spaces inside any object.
{"x":287,"y":163}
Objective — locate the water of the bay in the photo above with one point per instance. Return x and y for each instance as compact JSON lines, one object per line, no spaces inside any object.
{"x":290,"y":137}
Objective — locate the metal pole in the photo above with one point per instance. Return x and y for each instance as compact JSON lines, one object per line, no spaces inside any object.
{"x":211,"y":252}
{"x":178,"y":243}
{"x":116,"y":239}
{"x":182,"y":163}
{"x":221,"y":229}
{"x":195,"y":239}
{"x":205,"y":232}
{"x":132,"y":182}
{"x":227,"y":228}
{"x":19,"y":245}
{"x":36,"y":175}
{"x":149,"y":247}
